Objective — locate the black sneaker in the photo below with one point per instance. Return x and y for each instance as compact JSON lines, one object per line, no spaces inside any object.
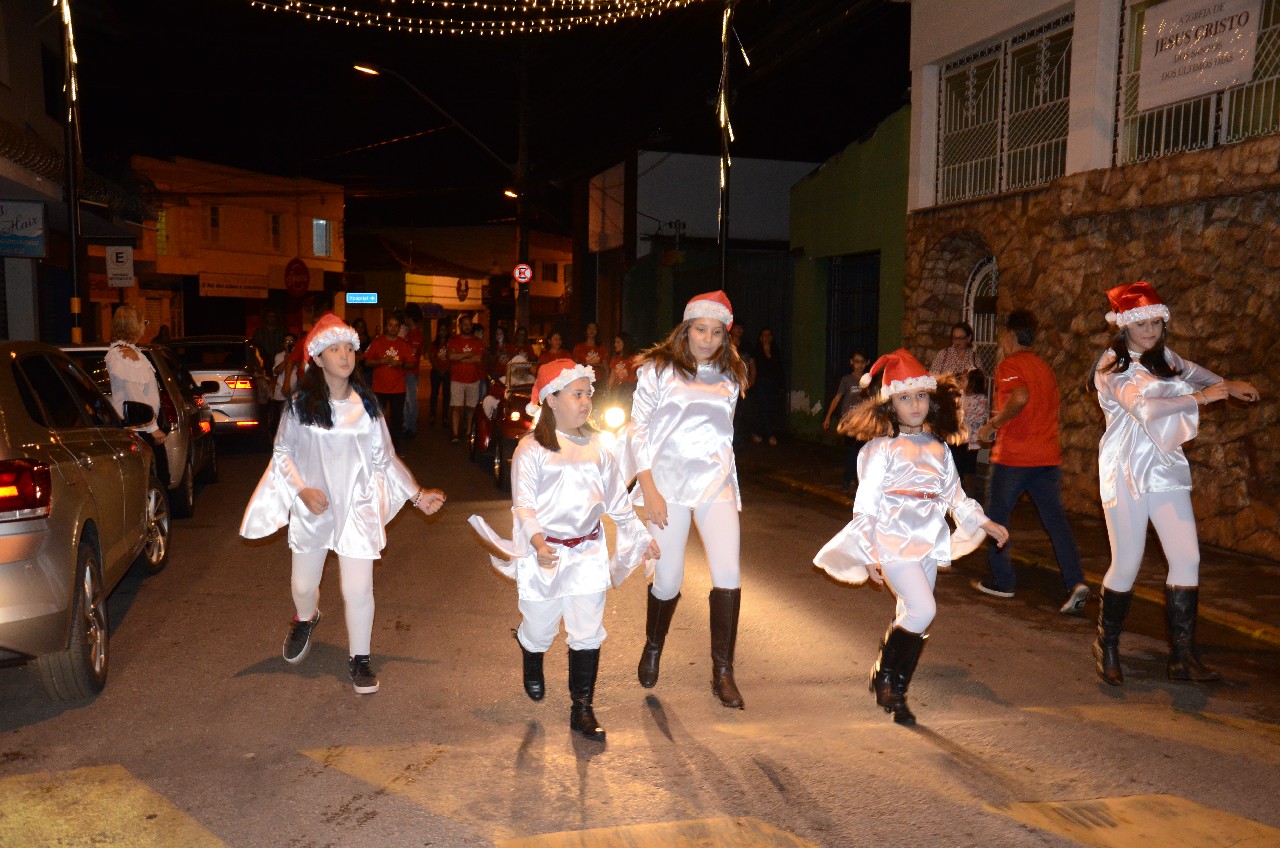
{"x":1075,"y":603}
{"x":362,"y":676}
{"x":987,"y":589}
{"x":298,"y":643}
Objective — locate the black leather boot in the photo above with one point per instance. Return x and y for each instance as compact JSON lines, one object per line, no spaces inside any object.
{"x":891,"y":676}
{"x":583,"y":666}
{"x":535,"y":686}
{"x":1180,"y":605}
{"x":725,"y":604}
{"x":1106,"y":650}
{"x":657,"y":623}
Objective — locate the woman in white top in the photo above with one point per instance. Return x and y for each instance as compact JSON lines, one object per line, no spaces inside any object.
{"x":134,"y":378}
{"x":335,"y":481}
{"x":1151,"y":398}
{"x":680,"y":447}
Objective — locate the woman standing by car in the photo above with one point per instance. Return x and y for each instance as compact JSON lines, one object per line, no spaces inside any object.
{"x":134,"y":378}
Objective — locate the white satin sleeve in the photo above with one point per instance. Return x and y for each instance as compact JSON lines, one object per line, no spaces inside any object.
{"x":1196,"y":375}
{"x":270,"y":504}
{"x":633,"y":538}
{"x":967,"y":512}
{"x":395,"y":482}
{"x":847,"y":555}
{"x":636,"y":454}
{"x":1168,"y":421}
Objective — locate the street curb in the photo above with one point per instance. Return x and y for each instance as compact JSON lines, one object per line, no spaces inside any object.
{"x":1243,"y":625}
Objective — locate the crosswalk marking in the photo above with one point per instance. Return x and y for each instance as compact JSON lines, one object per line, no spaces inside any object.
{"x":745,"y":832}
{"x":1165,"y":820}
{"x":95,"y":806}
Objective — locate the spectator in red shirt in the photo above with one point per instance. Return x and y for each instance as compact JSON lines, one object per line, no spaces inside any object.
{"x":523,"y":346}
{"x":554,"y":350}
{"x":622,"y":370}
{"x":590,"y":351}
{"x":389,"y":356}
{"x":466,"y":374}
{"x":503,"y":350}
{"x":411,"y":332}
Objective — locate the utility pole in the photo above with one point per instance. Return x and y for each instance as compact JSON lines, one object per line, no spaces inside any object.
{"x":522,"y":187}
{"x":726,"y":136}
{"x":71,"y":154}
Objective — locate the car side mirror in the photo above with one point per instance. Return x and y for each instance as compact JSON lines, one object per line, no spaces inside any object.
{"x":137,"y":414}
{"x":207,"y":387}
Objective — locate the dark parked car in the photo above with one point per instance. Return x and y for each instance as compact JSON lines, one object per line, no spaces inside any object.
{"x":240,"y":404}
{"x":79,"y":502}
{"x":186,"y":421}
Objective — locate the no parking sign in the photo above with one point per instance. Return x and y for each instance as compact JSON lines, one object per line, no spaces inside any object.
{"x":522,"y":273}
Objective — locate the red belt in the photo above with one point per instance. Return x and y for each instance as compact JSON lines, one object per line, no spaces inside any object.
{"x":573,"y":543}
{"x":907,"y":493}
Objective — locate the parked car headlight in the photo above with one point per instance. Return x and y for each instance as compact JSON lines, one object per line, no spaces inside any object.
{"x":615,"y":417}
{"x":515,"y":415}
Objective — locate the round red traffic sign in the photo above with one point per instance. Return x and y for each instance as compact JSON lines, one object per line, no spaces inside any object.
{"x":523,"y":273}
{"x":297,"y":278}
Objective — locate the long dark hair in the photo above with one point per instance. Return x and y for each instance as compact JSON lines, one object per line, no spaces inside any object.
{"x":875,"y":417}
{"x":544,"y":433}
{"x":675,"y":353}
{"x":1153,"y":359}
{"x":310,"y":401}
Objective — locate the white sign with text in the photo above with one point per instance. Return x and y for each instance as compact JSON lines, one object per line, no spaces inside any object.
{"x":119,"y":259}
{"x":1193,"y":47}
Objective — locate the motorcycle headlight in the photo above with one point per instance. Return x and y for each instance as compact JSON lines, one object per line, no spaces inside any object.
{"x":515,"y":415}
{"x":614,"y":417}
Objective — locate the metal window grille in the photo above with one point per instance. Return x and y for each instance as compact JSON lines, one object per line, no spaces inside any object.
{"x":1221,"y":117}
{"x":1002,"y":116}
{"x":980,"y":311}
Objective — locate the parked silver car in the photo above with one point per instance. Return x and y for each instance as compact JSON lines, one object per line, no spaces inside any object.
{"x":188,"y":425}
{"x":240,"y":404}
{"x":79,"y":502}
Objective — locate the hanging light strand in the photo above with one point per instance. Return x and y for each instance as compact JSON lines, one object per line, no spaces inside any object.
{"x":474,"y":17}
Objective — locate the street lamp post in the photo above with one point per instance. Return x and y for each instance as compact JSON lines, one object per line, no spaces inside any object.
{"x":519,"y":172}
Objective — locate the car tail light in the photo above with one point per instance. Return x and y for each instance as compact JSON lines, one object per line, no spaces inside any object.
{"x":247,"y":423}
{"x":205,"y":426}
{"x":25,"y":489}
{"x":168,"y":411}
{"x":234,"y":383}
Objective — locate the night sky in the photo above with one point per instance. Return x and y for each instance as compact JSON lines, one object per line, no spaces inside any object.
{"x":222,"y":81}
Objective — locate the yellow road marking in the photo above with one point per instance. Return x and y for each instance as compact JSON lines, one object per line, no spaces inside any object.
{"x":743,"y":832}
{"x":1227,"y":734}
{"x":97,"y":806}
{"x":1164,"y":820}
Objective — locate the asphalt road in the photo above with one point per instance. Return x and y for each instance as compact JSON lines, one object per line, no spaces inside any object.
{"x":205,"y":736}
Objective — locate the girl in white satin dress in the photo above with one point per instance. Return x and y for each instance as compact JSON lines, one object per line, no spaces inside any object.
{"x":899,"y":533}
{"x":680,"y":449}
{"x":1151,"y":399}
{"x":563,"y":481}
{"x":335,"y":481}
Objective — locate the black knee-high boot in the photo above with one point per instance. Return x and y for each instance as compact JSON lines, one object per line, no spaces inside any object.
{"x":1106,"y":650}
{"x":891,"y":676}
{"x":583,"y":666}
{"x":534,"y":684}
{"x":725,"y":605}
{"x":657,"y":623}
{"x":1180,"y":606}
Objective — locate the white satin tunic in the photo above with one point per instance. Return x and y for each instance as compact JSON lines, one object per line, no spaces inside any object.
{"x":354,"y":465}
{"x":682,"y":432}
{"x":564,"y":494}
{"x":1149,"y":419}
{"x":892,"y":522}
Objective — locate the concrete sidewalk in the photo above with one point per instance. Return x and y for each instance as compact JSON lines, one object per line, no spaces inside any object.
{"x":1238,"y":592}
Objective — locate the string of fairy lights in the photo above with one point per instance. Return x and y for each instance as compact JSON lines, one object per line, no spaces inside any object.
{"x":477,"y":17}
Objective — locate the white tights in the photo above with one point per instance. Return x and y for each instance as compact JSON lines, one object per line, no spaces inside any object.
{"x":1175,"y":523}
{"x":912,"y":584}
{"x":718,"y":526}
{"x":357,"y":594}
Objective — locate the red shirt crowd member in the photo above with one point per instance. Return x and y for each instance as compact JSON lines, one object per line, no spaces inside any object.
{"x":522,"y":345}
{"x":389,"y":356}
{"x":466,"y":352}
{"x":555,"y":349}
{"x":590,"y":351}
{"x":622,"y":365}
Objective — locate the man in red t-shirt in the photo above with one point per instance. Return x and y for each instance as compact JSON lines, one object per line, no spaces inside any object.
{"x":466,"y":374}
{"x":389,"y":356}
{"x":1027,"y":457}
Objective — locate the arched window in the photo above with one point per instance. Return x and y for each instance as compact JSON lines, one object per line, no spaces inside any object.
{"x":980,"y":311}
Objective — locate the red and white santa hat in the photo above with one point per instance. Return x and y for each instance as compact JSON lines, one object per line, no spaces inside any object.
{"x":710,"y":305}
{"x":1135,"y":302}
{"x":902,"y":373}
{"x":554,"y":376}
{"x":330,"y":329}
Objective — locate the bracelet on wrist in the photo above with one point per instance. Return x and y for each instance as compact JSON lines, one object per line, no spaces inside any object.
{"x":417,"y":496}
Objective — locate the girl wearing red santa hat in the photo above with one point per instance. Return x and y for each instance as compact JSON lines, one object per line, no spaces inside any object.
{"x":335,"y":481}
{"x":563,"y":480}
{"x":907,"y":482}
{"x":1151,"y":399}
{"x":680,"y":449}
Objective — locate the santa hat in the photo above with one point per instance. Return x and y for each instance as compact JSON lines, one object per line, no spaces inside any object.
{"x":710,"y":305}
{"x":902,"y":373}
{"x":1135,"y":302}
{"x":329,"y":330}
{"x":554,"y":376}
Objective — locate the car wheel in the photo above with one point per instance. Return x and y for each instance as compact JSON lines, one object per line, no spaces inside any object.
{"x":154,"y":555}
{"x":501,"y":464}
{"x":81,"y":670}
{"x":209,"y":474}
{"x":183,"y":498}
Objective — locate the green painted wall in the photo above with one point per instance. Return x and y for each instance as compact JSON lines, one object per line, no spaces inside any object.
{"x":855,"y":203}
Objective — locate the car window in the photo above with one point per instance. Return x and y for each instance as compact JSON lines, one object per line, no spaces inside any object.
{"x":95,"y":364}
{"x":95,"y":407}
{"x":181,"y":376}
{"x":206,"y":356}
{"x":57,"y":407}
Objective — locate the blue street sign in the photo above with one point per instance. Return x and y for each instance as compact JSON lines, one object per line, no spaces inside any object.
{"x":362,"y":297}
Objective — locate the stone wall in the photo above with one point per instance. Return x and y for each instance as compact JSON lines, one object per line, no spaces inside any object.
{"x":1204,"y":229}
